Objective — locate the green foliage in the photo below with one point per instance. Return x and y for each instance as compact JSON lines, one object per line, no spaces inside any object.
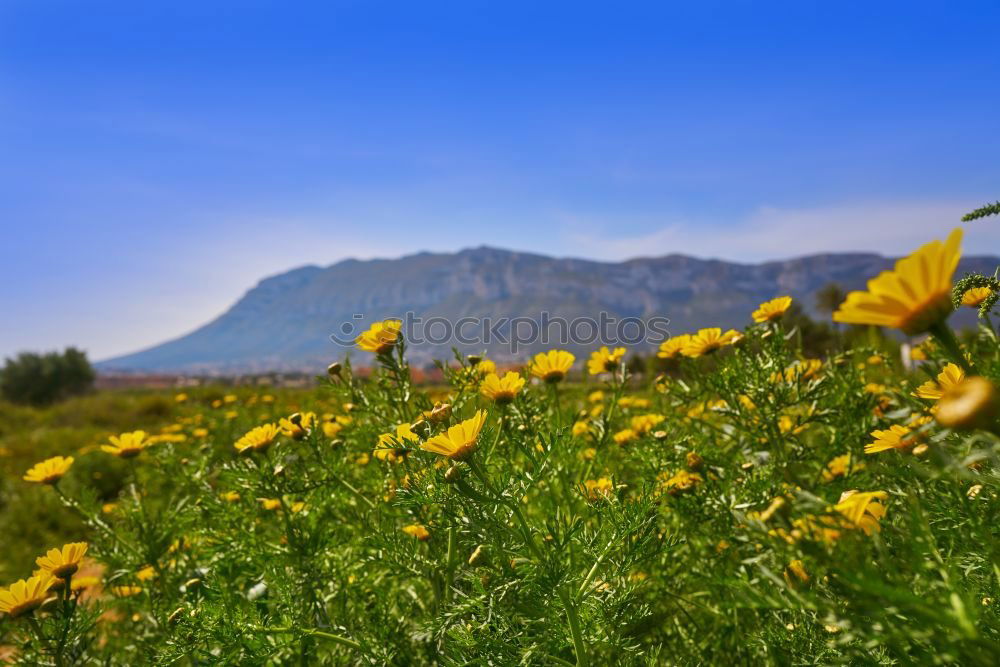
{"x":691,"y":519}
{"x":987,"y":210}
{"x":41,"y":379}
{"x":977,"y":280}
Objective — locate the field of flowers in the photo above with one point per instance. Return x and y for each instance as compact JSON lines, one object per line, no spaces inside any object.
{"x":748,"y":505}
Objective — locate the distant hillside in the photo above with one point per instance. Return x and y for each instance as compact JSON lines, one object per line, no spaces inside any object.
{"x":285,"y":322}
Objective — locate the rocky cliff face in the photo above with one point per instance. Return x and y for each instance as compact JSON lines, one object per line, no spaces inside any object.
{"x":285,"y":322}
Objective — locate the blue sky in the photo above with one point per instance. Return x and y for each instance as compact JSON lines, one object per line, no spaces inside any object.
{"x":158,"y":158}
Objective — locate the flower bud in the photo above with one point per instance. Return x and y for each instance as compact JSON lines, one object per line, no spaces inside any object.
{"x":971,"y":404}
{"x":453,"y":474}
{"x":440,"y":413}
{"x":333,"y":370}
{"x":694,"y":461}
{"x":175,"y":615}
{"x":479,"y":557}
{"x":474,"y":359}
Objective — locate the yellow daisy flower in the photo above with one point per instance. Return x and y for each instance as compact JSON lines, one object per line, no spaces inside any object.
{"x":270,"y":504}
{"x":598,"y":489}
{"x":950,"y":376}
{"x":605,"y":360}
{"x":49,"y":471}
{"x":805,"y":369}
{"x":862,"y":509}
{"x":707,"y":341}
{"x":840,"y":466}
{"x":681,"y":481}
{"x":485,"y":367}
{"x":380,"y":336}
{"x":25,"y":595}
{"x":127,"y":445}
{"x":389,"y":447}
{"x":83,"y":582}
{"x":914,"y":296}
{"x":975,"y":296}
{"x":331,"y":428}
{"x":460,"y":440}
{"x":552,"y":366}
{"x":643,"y":424}
{"x":418,"y":531}
{"x":972,"y":403}
{"x":897,"y":437}
{"x":298,"y":425}
{"x":501,"y":390}
{"x":257,"y":439}
{"x":63,"y":562}
{"x":624,"y":436}
{"x":772,"y":310}
{"x":672,"y":347}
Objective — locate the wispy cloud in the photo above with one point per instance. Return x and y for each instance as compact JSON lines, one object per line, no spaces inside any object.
{"x":889,"y":228}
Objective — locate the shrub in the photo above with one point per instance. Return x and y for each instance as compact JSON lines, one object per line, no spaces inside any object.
{"x":41,"y":379}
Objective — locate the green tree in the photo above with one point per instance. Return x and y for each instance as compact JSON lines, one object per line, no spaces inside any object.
{"x":829,"y":297}
{"x":40,"y":379}
{"x":818,"y":338}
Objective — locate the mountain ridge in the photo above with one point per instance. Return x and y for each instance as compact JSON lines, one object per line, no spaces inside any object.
{"x":285,"y":321}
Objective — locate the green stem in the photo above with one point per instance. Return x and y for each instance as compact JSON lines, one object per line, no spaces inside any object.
{"x":618,"y":388}
{"x":353,"y":490}
{"x":558,"y":405}
{"x":449,"y":565}
{"x":944,"y":335}
{"x":989,"y":325}
{"x":69,"y":607}
{"x":500,"y":429}
{"x":590,"y":576}
{"x":337,"y":639}
{"x":528,"y":537}
{"x":573,"y":617}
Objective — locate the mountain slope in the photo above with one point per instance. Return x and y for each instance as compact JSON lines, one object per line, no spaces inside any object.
{"x":285,"y":322}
